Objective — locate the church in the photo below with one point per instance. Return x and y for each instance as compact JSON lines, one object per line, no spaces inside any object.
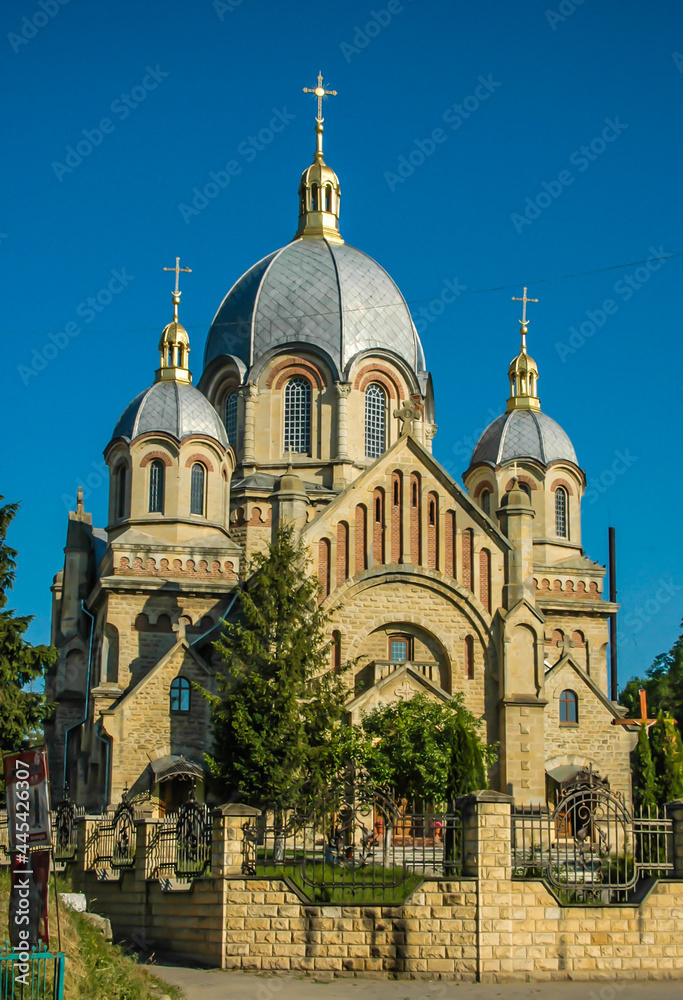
{"x":315,"y":407}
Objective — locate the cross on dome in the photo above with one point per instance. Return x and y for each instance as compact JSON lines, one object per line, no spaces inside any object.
{"x":321,"y":94}
{"x":176,"y":293}
{"x":524,"y":323}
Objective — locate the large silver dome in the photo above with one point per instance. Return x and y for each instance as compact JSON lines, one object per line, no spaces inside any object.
{"x":316,"y":292}
{"x":175,"y":408}
{"x":523,"y":434}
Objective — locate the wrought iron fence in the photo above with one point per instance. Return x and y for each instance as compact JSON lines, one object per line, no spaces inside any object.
{"x":65,"y":830}
{"x":111,"y":844}
{"x":591,"y":848}
{"x":181,"y":845}
{"x":356,"y":844}
{"x":41,"y":978}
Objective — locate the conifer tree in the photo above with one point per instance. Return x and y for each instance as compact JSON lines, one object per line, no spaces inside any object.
{"x":22,"y":711}
{"x":644,"y":778}
{"x":667,"y":758}
{"x":278,"y":702}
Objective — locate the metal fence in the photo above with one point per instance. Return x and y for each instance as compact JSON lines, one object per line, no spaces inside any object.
{"x":111,"y":844}
{"x":65,"y":830}
{"x":591,"y":849}
{"x":41,"y":978}
{"x":180,"y":847}
{"x":356,"y":844}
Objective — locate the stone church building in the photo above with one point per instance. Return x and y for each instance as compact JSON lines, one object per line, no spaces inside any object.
{"x":315,"y":406}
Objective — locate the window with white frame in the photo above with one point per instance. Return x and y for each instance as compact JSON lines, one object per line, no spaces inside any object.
{"x":375,"y":420}
{"x":297,"y":436}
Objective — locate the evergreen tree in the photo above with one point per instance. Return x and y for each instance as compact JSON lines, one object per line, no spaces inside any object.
{"x":278,"y":702}
{"x":667,"y":758}
{"x":644,"y":778}
{"x":22,"y":711}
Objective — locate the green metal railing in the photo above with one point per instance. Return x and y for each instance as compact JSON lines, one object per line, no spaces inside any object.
{"x":41,"y":978}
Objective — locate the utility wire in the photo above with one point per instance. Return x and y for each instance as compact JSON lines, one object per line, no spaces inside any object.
{"x":385,"y":305}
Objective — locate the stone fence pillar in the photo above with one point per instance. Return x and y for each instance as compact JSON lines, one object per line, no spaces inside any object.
{"x":145,"y":828}
{"x":84,"y":828}
{"x":674,"y":811}
{"x":227,"y":840}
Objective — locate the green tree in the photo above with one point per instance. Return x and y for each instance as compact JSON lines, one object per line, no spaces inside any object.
{"x":663,"y":683}
{"x":644,"y":777}
{"x":22,"y":710}
{"x":667,"y":757}
{"x":278,"y":702}
{"x":425,"y":749}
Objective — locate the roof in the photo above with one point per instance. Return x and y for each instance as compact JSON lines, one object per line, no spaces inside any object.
{"x":175,"y":766}
{"x":312,"y":291}
{"x":175,"y":408}
{"x":523,"y":434}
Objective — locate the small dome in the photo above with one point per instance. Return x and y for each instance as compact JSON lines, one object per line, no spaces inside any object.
{"x":174,"y":408}
{"x":523,"y":434}
{"x":290,"y":483}
{"x":316,"y":292}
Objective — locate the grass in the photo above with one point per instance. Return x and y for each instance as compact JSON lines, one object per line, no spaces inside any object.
{"x":327,"y":883}
{"x":94,"y":967}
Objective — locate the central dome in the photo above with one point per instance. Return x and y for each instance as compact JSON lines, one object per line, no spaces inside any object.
{"x":315,"y":292}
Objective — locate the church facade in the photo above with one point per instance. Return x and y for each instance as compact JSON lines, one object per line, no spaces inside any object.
{"x":315,"y":407}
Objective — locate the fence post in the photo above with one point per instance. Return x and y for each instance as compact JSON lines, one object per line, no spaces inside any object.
{"x":674,"y":811}
{"x":227,"y":838}
{"x":145,"y":827}
{"x":84,"y":828}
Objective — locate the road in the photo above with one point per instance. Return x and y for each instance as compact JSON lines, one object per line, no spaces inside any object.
{"x":213,"y":984}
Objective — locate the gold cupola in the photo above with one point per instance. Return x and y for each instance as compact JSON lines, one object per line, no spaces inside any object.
{"x":319,"y":190}
{"x":523,"y":371}
{"x":174,"y":346}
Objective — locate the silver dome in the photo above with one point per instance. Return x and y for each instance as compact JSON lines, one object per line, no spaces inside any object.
{"x":523,"y":434}
{"x":175,"y":408}
{"x":315,"y":292}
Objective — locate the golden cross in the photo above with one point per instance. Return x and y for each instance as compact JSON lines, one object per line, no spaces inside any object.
{"x":321,"y":94}
{"x":177,"y":270}
{"x":524,"y":299}
{"x":643,"y":720}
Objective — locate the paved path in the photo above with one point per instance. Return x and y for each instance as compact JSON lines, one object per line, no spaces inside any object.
{"x":213,"y":984}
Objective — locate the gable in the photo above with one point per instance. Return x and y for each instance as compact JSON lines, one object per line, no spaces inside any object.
{"x":401,"y":685}
{"x":566,"y":673}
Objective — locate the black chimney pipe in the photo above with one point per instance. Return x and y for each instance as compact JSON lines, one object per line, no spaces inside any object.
{"x":613,"y":616}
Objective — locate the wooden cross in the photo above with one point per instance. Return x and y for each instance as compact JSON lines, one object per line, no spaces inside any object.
{"x":643,"y":720}
{"x":178,"y":269}
{"x":321,"y":94}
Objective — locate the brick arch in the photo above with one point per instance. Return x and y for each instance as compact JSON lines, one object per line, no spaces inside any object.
{"x":383,"y":375}
{"x":485,"y":485}
{"x":287,"y":369}
{"x":531,"y":483}
{"x":202,"y":459}
{"x":151,"y":455}
{"x":562,"y":482}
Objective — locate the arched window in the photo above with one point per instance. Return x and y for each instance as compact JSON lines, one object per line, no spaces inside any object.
{"x":121,"y":491}
{"x":297,"y":436}
{"x":569,"y":708}
{"x":197,"y":489}
{"x":314,"y":197}
{"x":375,"y":420}
{"x":180,"y":695}
{"x":399,"y":648}
{"x":561,"y":520}
{"x":156,"y":486}
{"x":486,"y":501}
{"x":180,"y":357}
{"x":328,"y":198}
{"x":230,"y":417}
{"x":170,"y":356}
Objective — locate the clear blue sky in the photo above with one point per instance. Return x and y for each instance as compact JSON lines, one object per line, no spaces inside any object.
{"x":203,"y":78}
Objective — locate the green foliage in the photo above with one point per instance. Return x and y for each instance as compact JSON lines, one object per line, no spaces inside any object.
{"x":663,"y":684}
{"x":667,"y":757}
{"x":644,"y":778}
{"x":278,"y":702}
{"x":22,"y":711}
{"x":423,"y":749}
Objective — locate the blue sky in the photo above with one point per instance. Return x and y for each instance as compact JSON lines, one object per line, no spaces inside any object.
{"x":488,"y":145}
